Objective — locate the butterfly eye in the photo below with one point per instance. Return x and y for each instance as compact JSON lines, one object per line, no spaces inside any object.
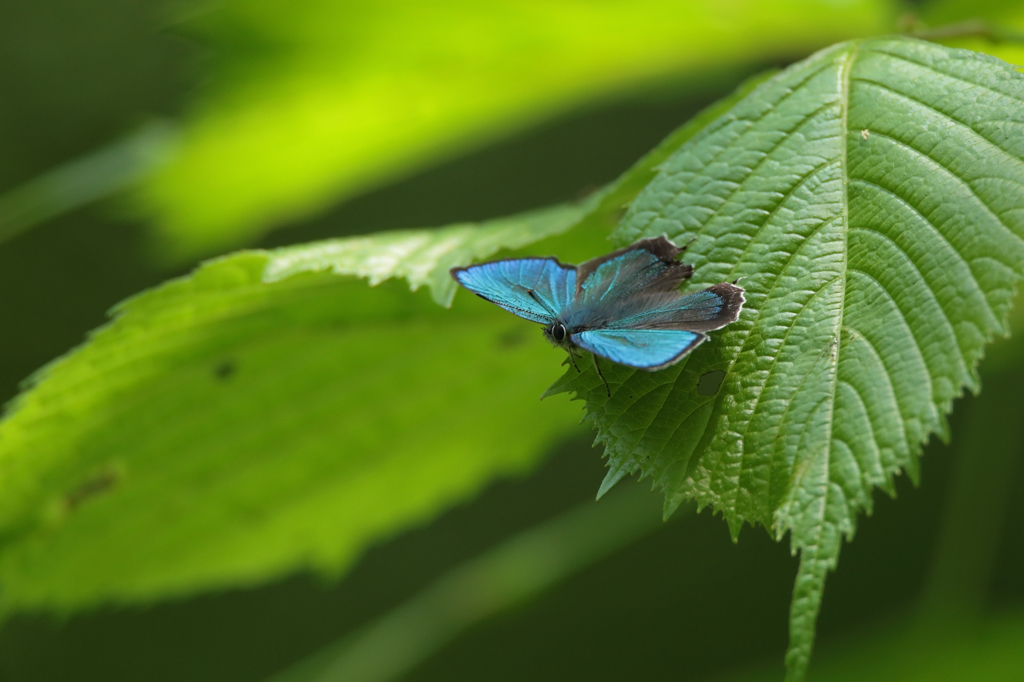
{"x":558,"y":332}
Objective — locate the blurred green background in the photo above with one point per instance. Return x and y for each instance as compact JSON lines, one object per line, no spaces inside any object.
{"x":681,"y":603}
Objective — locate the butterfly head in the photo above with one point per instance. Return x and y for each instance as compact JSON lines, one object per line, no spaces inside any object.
{"x":557,"y":334}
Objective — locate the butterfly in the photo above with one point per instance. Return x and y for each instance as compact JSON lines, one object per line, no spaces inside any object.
{"x":625,"y":306}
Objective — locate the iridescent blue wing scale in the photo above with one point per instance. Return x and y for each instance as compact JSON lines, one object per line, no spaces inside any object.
{"x":641,"y":348}
{"x":536,"y":289}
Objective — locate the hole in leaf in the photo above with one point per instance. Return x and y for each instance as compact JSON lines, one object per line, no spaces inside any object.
{"x":710,"y":382}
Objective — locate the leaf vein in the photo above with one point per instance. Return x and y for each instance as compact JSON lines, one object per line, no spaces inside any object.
{"x":860,"y":336}
{"x":962,"y":181}
{"x":942,"y":114}
{"x":782,"y":200}
{"x":968,"y":264}
{"x":775,"y":360}
{"x":949,"y":75}
{"x":951,"y":330}
{"x":913,"y":336}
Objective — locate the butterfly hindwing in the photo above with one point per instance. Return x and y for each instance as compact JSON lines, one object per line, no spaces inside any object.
{"x":701,"y":311}
{"x":536,"y":289}
{"x":641,"y":348}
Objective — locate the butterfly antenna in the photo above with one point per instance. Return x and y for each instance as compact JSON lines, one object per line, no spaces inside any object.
{"x":598,"y":368}
{"x":737,"y":280}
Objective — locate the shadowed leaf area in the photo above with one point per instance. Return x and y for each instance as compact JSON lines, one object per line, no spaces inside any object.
{"x":870,"y":198}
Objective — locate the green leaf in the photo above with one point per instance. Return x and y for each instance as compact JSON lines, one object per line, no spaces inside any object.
{"x":232,"y":425}
{"x":270,"y":412}
{"x":870,"y":198}
{"x":315,"y":101}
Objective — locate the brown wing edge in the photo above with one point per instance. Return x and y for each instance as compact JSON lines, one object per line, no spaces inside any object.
{"x":734,"y":300}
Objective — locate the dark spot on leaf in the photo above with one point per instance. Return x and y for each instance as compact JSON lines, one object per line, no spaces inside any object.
{"x":224,"y":370}
{"x":513,"y":337}
{"x":710,"y":382}
{"x":96,"y":485}
{"x":830,"y":348}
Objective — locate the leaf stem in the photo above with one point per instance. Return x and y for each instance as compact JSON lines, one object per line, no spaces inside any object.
{"x":84,"y":180}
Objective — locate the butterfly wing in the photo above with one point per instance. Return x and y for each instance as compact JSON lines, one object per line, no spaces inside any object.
{"x":701,"y":311}
{"x":536,"y":289}
{"x":641,"y":348}
{"x":648,"y":266}
{"x":656,"y":330}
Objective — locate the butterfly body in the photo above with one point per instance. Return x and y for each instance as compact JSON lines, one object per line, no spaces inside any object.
{"x":625,"y":306}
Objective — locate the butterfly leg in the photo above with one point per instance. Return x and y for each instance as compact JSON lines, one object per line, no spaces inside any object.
{"x":598,"y":368}
{"x":572,"y":359}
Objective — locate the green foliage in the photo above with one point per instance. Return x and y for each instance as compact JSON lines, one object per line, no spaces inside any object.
{"x":317,"y":100}
{"x":332,"y":414}
{"x":231,"y":426}
{"x":870,"y":198}
{"x":270,"y":412}
{"x":422,"y":256}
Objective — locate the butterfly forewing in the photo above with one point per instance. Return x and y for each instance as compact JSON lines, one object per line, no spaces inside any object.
{"x":536,"y":289}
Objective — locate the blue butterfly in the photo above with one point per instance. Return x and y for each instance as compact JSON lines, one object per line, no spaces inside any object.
{"x":625,"y":306}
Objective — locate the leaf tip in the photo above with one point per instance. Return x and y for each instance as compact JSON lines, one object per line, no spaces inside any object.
{"x":614,"y":475}
{"x":672,"y":503}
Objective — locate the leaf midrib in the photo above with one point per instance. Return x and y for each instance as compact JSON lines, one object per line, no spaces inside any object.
{"x":843,"y":103}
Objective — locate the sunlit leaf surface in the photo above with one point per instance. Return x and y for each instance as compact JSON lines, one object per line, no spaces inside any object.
{"x":229,"y":426}
{"x":316,"y":100}
{"x":271,"y":412}
{"x":871,"y":199}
